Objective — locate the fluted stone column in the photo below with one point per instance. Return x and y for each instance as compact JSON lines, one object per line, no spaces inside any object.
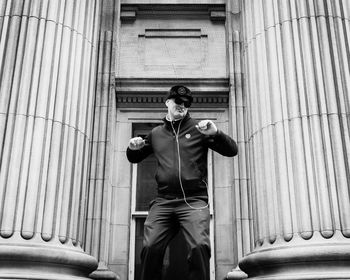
{"x":297,"y":85}
{"x":47,"y":81}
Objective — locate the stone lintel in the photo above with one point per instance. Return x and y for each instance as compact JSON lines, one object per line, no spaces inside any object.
{"x":152,"y":92}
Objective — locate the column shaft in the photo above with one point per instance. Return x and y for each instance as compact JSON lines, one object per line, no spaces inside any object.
{"x":100,"y":199}
{"x":47,"y":76}
{"x":240,"y":199}
{"x":298,"y":78}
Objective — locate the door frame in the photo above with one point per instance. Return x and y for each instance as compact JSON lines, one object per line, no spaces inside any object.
{"x":125,"y":118}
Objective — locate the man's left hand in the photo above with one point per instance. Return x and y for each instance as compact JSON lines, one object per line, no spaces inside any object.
{"x":207,"y":127}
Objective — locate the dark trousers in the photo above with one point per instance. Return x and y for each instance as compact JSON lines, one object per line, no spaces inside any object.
{"x":166,"y":217}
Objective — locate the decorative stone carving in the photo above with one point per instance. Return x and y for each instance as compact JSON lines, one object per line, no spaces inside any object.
{"x":152,"y":92}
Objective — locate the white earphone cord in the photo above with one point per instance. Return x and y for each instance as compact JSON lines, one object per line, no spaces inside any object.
{"x":179,"y":160}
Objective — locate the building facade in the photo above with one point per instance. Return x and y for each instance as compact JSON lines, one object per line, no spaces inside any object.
{"x":79,"y":78}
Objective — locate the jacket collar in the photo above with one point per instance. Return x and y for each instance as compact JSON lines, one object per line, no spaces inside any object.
{"x":168,"y":122}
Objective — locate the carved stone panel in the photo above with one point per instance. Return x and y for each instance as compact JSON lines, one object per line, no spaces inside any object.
{"x":181,"y":41}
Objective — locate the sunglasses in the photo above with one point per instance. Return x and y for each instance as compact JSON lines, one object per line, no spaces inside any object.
{"x":179,"y":101}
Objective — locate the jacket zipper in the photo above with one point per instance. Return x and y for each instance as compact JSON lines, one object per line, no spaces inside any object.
{"x":176,"y":147}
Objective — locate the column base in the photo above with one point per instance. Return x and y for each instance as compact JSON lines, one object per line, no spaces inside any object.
{"x":45,"y":260}
{"x":236,"y":274}
{"x":299,"y":259}
{"x":103,"y":273}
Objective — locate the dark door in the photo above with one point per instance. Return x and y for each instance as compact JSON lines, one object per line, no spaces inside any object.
{"x":175,"y":260}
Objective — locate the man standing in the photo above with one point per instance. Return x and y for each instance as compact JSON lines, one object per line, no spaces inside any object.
{"x":180,"y":147}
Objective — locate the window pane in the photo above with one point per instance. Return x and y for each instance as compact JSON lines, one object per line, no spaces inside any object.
{"x":146,"y":186}
{"x":138,"y":246}
{"x":146,"y":189}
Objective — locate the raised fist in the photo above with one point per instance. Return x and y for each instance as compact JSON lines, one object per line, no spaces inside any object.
{"x":136,"y":143}
{"x":207,"y":127}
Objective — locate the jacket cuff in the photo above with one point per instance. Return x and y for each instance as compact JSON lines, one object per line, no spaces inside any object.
{"x":218,"y":133}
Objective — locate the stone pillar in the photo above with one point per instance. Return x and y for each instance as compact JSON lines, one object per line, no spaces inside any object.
{"x":237,"y":110}
{"x":47,"y":83}
{"x":100,"y":199}
{"x":297,"y":85}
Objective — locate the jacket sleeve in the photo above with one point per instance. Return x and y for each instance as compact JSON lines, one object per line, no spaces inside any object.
{"x":135,"y":156}
{"x":223,"y":144}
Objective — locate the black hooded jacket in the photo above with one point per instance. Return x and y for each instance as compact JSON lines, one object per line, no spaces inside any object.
{"x":181,"y":150}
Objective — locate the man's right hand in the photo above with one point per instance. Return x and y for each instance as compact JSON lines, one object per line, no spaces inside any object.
{"x":136,"y":143}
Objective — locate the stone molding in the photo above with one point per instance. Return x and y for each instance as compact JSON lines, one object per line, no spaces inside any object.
{"x":214,"y":11}
{"x":311,"y":259}
{"x":138,"y":92}
{"x":43,"y":260}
